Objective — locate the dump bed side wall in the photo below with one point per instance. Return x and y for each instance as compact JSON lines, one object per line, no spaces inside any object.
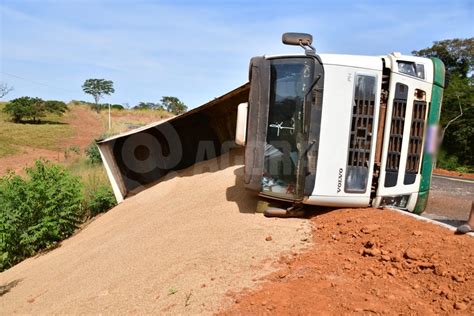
{"x":137,"y":160}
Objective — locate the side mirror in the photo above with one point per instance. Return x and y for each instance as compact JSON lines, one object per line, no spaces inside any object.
{"x":297,"y":39}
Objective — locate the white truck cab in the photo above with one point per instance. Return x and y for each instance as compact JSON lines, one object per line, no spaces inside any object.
{"x":338,"y":130}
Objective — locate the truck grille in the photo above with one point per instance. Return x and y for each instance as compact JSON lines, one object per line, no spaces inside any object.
{"x":396,"y":134}
{"x":361,"y":132}
{"x":358,"y":160}
{"x":416,"y":141}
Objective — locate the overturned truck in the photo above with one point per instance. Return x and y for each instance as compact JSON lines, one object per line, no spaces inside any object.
{"x":320,"y":129}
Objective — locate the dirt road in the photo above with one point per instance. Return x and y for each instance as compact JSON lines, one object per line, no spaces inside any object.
{"x":450,"y":199}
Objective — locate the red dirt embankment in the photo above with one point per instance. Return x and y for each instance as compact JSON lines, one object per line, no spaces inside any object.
{"x":450,"y":173}
{"x":370,"y":261}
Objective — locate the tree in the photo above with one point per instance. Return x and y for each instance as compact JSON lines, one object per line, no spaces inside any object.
{"x":112,"y":106}
{"x":458,"y":57}
{"x":148,"y":106}
{"x":55,"y":107}
{"x":173,"y":105}
{"x":24,"y":107}
{"x":98,"y":88}
{"x":4,"y":89}
{"x":33,"y":108}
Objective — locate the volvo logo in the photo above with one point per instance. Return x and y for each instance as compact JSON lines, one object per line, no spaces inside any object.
{"x":339,"y":180}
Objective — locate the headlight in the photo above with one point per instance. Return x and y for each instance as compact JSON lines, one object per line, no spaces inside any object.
{"x":356,"y":179}
{"x":411,"y":69}
{"x":399,"y":201}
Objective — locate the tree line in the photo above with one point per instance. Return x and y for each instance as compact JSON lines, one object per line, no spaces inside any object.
{"x":30,"y":109}
{"x":98,"y":88}
{"x":457,"y":149}
{"x":169,"y":104}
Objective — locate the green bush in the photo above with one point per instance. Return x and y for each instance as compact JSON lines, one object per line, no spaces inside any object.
{"x":37,"y":211}
{"x":464,"y":169}
{"x":24,"y":107}
{"x":448,"y":162}
{"x":93,"y":154}
{"x":100,"y":200}
{"x":98,"y":195}
{"x":33,"y":108}
{"x":92,"y":151}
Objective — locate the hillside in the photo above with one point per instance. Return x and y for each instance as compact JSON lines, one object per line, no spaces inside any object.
{"x":57,"y":137}
{"x":26,"y":142}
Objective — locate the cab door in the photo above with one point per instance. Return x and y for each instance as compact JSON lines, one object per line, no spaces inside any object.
{"x":276,"y":126}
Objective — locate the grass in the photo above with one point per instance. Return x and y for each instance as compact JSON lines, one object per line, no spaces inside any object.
{"x":125,"y":120}
{"x":93,"y":177}
{"x":6,"y":149}
{"x":172,"y":291}
{"x":82,"y":168}
{"x":47,"y":135}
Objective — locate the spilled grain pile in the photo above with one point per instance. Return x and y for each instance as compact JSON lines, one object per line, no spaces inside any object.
{"x":177,"y":247}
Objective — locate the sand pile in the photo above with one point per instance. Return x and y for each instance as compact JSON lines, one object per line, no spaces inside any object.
{"x":177,"y":247}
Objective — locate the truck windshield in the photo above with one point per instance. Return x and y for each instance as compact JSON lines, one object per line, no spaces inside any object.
{"x":291,"y":79}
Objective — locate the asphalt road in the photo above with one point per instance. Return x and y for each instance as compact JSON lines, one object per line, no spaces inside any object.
{"x":450,"y":199}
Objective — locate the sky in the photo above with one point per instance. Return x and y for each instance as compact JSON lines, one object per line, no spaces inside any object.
{"x":196,"y":50}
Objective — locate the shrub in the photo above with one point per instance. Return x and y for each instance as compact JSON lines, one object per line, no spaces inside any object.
{"x":33,"y":108}
{"x":98,"y":194}
{"x":105,"y":106}
{"x":100,"y":199}
{"x":24,"y":107}
{"x":55,"y":107}
{"x":92,"y":151}
{"x":37,"y":211}
{"x":448,"y":162}
{"x":93,"y":154}
{"x":464,"y":169}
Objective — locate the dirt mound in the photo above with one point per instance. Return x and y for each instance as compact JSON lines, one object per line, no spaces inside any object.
{"x":177,"y":247}
{"x":370,"y":261}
